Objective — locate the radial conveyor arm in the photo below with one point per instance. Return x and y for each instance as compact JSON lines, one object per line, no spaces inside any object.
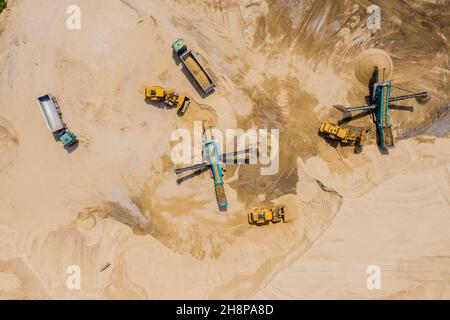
{"x":361,"y":108}
{"x":423,"y":94}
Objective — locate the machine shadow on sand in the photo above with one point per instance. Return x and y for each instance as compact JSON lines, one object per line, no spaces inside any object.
{"x":336,"y":143}
{"x":192,"y":175}
{"x":161,"y":105}
{"x":72,"y":147}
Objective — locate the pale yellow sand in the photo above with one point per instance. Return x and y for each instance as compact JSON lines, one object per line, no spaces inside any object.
{"x":115,"y":200}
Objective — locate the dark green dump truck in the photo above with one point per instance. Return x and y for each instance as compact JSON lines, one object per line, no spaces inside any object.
{"x":192,"y":63}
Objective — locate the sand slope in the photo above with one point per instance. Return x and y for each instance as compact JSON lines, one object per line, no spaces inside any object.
{"x":115,"y":199}
{"x":400,"y":226}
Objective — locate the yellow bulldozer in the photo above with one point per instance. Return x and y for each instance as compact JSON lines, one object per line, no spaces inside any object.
{"x":347,"y":136}
{"x":170,"y":98}
{"x":265,"y":216}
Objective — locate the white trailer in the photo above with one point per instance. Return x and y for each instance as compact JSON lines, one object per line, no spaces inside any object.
{"x":53,"y":119}
{"x":51,"y":112}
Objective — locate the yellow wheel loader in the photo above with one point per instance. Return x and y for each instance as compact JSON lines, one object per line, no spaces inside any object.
{"x":170,"y":98}
{"x":265,"y":216}
{"x":345,"y":135}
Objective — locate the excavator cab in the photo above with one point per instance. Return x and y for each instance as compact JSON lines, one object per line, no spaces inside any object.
{"x":279,"y":214}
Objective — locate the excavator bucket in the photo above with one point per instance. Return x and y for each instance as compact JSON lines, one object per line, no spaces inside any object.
{"x":361,"y":141}
{"x":322,"y":127}
{"x":280,"y":213}
{"x":283,"y":210}
{"x":363,"y":137}
{"x":183,"y":105}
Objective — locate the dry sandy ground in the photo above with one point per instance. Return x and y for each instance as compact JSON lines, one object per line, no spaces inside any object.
{"x":400,"y":225}
{"x":278,"y":64}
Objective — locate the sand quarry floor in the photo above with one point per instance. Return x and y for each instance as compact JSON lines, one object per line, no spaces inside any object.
{"x":278,"y":64}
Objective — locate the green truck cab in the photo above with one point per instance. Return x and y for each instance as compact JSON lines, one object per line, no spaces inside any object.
{"x":194,"y":66}
{"x":53,"y":119}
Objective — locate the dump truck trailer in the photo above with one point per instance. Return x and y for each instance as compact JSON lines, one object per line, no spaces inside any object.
{"x":192,"y":63}
{"x":53,"y":118}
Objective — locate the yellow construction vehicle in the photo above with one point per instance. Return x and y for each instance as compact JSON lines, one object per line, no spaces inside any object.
{"x":355,"y":138}
{"x":265,"y":216}
{"x":170,"y":98}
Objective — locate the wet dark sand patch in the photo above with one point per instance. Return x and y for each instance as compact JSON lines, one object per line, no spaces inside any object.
{"x":297,"y":123}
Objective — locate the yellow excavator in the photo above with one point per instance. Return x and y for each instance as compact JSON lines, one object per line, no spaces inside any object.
{"x":170,"y":98}
{"x":345,"y":135}
{"x":265,"y":216}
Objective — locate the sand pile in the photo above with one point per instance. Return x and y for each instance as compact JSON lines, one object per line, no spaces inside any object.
{"x":199,"y":74}
{"x":278,"y":65}
{"x":367,"y":61}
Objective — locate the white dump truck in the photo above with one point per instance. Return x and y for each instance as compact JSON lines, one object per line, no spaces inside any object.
{"x":53,"y":118}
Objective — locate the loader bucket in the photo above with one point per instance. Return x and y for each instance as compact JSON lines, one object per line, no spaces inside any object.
{"x":182,"y":109}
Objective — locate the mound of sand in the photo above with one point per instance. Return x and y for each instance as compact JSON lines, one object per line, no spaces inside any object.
{"x":368,"y":60}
